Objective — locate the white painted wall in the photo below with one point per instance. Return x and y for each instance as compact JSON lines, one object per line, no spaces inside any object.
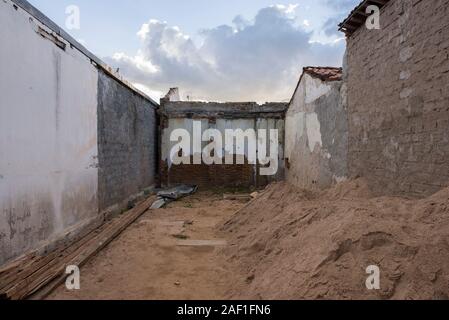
{"x":221,"y":125}
{"x":309,"y":160}
{"x":315,"y":88}
{"x":301,"y":119}
{"x":229,"y":124}
{"x":48,"y":136}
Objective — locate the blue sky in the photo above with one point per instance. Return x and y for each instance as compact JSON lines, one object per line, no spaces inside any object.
{"x":202,"y":47}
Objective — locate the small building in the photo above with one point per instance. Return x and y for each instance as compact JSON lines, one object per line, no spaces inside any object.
{"x":175,"y":114}
{"x":316,"y":130}
{"x":398,"y":96}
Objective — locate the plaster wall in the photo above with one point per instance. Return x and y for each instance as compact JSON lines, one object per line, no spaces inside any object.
{"x":48,"y":135}
{"x":316,"y":131}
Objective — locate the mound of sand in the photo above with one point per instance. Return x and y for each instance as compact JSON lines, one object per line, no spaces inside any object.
{"x":292,"y":244}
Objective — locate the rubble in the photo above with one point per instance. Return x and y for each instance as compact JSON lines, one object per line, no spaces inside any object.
{"x":173,"y":194}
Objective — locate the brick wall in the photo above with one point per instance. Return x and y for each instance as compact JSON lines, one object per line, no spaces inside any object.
{"x":220,"y":175}
{"x":207,"y":176}
{"x":398,"y":95}
{"x":127,"y":142}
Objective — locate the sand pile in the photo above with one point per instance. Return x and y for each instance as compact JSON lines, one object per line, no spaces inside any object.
{"x":292,"y":244}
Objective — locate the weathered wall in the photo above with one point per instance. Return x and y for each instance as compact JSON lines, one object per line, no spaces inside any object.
{"x":181,"y":115}
{"x":75,"y":138}
{"x":127,"y":133}
{"x":316,"y":134}
{"x":48,"y":135}
{"x":398,"y":95}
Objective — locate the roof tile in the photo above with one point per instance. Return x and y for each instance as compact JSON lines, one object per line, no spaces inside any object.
{"x":325,"y":73}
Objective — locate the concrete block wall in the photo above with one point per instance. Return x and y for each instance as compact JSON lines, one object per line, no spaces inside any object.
{"x":127,"y":133}
{"x":398,"y":96}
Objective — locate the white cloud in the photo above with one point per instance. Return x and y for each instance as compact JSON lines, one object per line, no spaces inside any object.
{"x":340,"y":10}
{"x":288,"y":9}
{"x":154,"y":94}
{"x":138,"y":61}
{"x":292,"y":8}
{"x":258,"y":60}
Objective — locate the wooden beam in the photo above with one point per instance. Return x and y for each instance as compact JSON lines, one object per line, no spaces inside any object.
{"x":47,"y":273}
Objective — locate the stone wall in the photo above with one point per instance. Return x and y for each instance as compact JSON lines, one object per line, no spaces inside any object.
{"x":127,"y":134}
{"x":316,"y":134}
{"x":398,"y":95}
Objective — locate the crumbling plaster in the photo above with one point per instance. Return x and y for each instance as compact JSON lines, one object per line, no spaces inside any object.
{"x":316,"y":134}
{"x":220,"y":116}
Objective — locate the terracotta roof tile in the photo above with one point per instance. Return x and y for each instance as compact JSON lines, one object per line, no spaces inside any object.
{"x":325,"y":73}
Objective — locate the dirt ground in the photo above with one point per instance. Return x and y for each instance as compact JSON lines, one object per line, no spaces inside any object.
{"x":149,"y":259}
{"x":287,"y":244}
{"x":294,"y":244}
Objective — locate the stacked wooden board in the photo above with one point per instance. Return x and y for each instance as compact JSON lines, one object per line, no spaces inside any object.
{"x":38,"y":275}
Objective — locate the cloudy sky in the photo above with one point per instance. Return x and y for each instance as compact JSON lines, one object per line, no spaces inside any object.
{"x":226,"y":50}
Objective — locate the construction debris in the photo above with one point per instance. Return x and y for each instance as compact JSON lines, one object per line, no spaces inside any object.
{"x":159,"y":203}
{"x":39,"y":275}
{"x":167,"y":196}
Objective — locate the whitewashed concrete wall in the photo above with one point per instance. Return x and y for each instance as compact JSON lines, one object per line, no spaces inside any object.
{"x":316,"y":134}
{"x":48,"y":136}
{"x":232,"y":175}
{"x":221,"y":125}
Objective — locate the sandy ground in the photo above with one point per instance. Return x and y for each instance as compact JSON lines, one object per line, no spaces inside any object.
{"x":287,"y":244}
{"x":294,"y":244}
{"x":147,"y":261}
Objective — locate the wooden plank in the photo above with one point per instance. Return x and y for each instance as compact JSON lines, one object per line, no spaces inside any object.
{"x":15,"y":264}
{"x":47,"y":272}
{"x":32,"y":262}
{"x":94,"y":249}
{"x":202,"y":243}
{"x":35,"y":266}
{"x":56,"y":269}
{"x":15,"y":267}
{"x":38,"y":267}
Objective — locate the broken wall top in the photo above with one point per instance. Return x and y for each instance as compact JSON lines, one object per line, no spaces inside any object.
{"x":232,"y":110}
{"x":325,"y":73}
